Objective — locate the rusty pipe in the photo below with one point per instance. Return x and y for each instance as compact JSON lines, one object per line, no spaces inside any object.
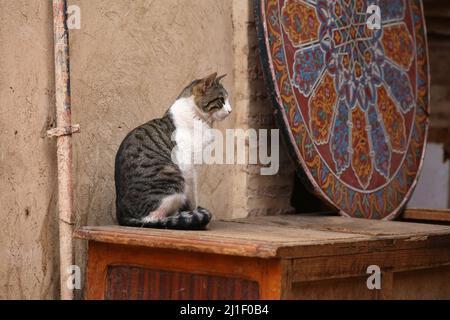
{"x":63,"y":134}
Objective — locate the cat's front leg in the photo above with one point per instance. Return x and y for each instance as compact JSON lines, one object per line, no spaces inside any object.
{"x":190,"y":178}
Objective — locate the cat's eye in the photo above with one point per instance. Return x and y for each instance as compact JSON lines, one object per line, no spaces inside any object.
{"x":217,"y":103}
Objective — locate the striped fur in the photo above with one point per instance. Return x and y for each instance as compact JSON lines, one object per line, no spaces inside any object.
{"x":152,"y":190}
{"x":182,"y":220}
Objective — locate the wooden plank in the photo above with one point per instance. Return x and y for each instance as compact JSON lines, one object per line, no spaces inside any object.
{"x":436,"y":8}
{"x":347,"y":266}
{"x":122,"y":283}
{"x":428,"y":284}
{"x":281,"y":236}
{"x":337,"y":224}
{"x":385,"y":243}
{"x":442,"y":215}
{"x":440,"y":92}
{"x":152,"y":239}
{"x":334,"y":289}
{"x":223,"y":237}
{"x":380,"y":235}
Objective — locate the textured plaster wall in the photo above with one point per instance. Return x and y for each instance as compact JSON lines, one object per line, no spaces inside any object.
{"x":129,"y":61}
{"x":28,"y":189}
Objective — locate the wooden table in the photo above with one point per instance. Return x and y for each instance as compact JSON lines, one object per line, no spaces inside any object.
{"x":283,"y":257}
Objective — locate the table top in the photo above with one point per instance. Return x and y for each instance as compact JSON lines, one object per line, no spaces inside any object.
{"x":287,"y":236}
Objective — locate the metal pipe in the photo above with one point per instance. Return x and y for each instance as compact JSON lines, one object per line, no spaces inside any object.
{"x":64,"y":144}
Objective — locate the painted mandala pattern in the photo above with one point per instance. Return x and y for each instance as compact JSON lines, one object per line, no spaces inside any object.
{"x":355,"y":99}
{"x":392,"y":120}
{"x":340,"y":141}
{"x":398,"y":45}
{"x":300,"y":22}
{"x":362,"y":155}
{"x":308,"y":66}
{"x":321,"y":109}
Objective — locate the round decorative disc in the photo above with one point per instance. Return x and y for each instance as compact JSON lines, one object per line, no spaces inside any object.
{"x":351,"y":98}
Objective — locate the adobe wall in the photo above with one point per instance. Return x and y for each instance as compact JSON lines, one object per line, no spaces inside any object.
{"x":28,"y":188}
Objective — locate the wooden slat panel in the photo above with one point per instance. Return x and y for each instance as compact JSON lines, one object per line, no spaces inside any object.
{"x":163,"y":285}
{"x":440,"y":85}
{"x":347,"y":266}
{"x":189,"y":272}
{"x":341,"y":289}
{"x":430,"y":284}
{"x":427,"y":214}
{"x":436,"y":8}
{"x":437,"y":16}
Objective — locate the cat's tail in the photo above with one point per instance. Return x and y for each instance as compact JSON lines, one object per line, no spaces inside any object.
{"x":197,"y":219}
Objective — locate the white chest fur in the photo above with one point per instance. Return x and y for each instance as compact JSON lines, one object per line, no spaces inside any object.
{"x":191,"y":136}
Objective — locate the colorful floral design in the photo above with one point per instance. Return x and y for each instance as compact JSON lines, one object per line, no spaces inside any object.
{"x":393,"y":121}
{"x":392,"y":10}
{"x":321,"y":109}
{"x":398,"y":45}
{"x":362,"y":154}
{"x":355,"y":99}
{"x":308,"y":66}
{"x":300,"y":22}
{"x":340,"y":141}
{"x":382,"y":161}
{"x":354,"y":53}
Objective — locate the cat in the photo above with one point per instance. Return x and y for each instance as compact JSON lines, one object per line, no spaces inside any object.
{"x":155,"y":185}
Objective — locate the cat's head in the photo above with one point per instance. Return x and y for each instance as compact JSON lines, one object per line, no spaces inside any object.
{"x":210,"y":97}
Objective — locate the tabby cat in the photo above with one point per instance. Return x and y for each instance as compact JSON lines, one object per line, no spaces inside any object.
{"x":155,"y":187}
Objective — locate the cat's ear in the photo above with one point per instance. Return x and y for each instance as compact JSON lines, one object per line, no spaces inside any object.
{"x":220,"y":78}
{"x":208,"y":81}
